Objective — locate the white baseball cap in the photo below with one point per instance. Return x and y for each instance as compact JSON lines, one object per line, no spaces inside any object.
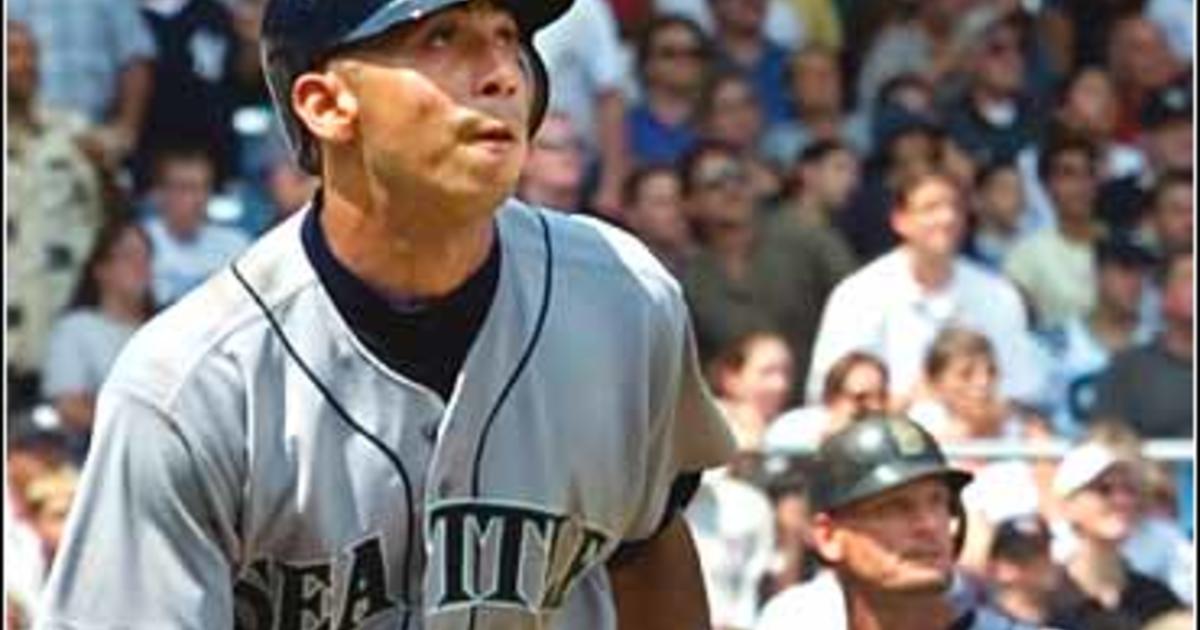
{"x":1081,"y":466}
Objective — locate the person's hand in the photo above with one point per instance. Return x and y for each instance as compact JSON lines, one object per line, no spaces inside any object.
{"x":247,"y":16}
{"x":607,"y":200}
{"x":107,"y":146}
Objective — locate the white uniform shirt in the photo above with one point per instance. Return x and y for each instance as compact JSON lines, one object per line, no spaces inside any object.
{"x":734,"y":528}
{"x":880,"y":309}
{"x":820,"y":603}
{"x":269,"y":469}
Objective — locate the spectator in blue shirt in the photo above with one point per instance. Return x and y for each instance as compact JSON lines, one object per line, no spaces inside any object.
{"x":743,"y":46}
{"x":673,"y":60}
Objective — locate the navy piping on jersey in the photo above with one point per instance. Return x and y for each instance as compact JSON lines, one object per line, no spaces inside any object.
{"x":405,"y":583}
{"x":543,"y":311}
{"x":494,"y":264}
{"x":426,"y":341}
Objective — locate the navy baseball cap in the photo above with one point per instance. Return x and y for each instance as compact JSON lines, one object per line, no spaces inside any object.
{"x":1168,"y":104}
{"x":1123,"y":251}
{"x":1021,"y":538}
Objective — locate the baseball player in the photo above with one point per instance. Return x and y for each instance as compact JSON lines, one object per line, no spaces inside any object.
{"x":417,"y":403}
{"x":886,"y":509}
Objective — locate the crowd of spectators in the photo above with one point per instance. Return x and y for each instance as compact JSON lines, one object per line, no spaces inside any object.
{"x":976,"y":212}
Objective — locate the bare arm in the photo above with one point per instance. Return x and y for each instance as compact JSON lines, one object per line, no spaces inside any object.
{"x":133,"y":97}
{"x":614,"y":160}
{"x":658,"y":586}
{"x":76,"y":410}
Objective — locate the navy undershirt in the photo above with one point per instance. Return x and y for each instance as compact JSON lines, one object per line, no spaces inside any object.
{"x":426,"y":341}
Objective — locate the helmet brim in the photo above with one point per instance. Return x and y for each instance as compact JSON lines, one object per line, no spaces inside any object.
{"x":890,"y":477}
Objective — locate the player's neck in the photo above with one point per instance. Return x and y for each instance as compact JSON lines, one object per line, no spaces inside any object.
{"x":907,"y":611}
{"x":399,"y":255}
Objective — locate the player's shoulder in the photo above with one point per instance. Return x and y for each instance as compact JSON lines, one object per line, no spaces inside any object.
{"x":182,"y":343}
{"x":589,"y":248}
{"x":819,"y":600}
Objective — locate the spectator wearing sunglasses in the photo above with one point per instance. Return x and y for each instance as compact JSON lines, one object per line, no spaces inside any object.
{"x":856,"y":386}
{"x":993,"y":118}
{"x":1099,"y":493}
{"x":673,"y":64}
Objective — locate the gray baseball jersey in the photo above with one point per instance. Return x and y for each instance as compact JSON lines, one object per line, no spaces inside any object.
{"x":254,"y":466}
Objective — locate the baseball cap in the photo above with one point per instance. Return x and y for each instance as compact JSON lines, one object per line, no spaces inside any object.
{"x":1021,"y":538}
{"x":1081,"y":466}
{"x":1168,"y":104}
{"x":1123,"y":251}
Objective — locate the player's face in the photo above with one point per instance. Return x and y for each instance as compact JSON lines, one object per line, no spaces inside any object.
{"x":1107,"y":508}
{"x":931,"y":221}
{"x":899,"y":541}
{"x":441,"y":105}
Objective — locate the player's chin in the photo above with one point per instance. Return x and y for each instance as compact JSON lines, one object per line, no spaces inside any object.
{"x":925,"y":579}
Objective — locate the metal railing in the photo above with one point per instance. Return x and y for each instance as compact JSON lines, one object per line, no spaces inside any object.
{"x":1173,"y":450}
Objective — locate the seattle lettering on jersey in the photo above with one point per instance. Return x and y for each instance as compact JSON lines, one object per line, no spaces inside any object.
{"x":287,"y":596}
{"x":484,"y":554}
{"x":507,"y":554}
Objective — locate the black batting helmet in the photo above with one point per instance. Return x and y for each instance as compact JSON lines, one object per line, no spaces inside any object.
{"x":297,"y":34}
{"x":874,"y":455}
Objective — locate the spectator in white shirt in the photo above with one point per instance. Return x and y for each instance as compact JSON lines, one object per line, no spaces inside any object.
{"x":1056,"y":266}
{"x":187,"y":248}
{"x":782,"y":25}
{"x":895,"y":306}
{"x":587,"y":69}
{"x":111,"y":300}
{"x":732,"y":524}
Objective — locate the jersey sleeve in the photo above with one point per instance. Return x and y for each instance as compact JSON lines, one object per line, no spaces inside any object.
{"x":689,"y":433}
{"x":145,"y":544}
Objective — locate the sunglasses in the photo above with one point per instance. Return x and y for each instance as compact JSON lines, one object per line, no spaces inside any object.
{"x":1109,"y":488}
{"x":679,"y":52}
{"x":726,"y":176}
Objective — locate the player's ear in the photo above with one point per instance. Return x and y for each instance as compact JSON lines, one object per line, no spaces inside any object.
{"x":826,"y":539}
{"x":326,"y":105}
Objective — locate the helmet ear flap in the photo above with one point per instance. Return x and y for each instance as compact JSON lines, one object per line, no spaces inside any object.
{"x":535,"y":68}
{"x":959,"y":515}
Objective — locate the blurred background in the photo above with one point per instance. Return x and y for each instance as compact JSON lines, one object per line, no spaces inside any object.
{"x":976,"y":212}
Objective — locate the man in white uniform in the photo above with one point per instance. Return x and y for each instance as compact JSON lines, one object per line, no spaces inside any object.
{"x":887,"y":520}
{"x":417,"y":403}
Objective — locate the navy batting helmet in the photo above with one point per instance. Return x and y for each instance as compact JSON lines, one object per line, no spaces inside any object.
{"x":297,"y":34}
{"x":875,"y":455}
